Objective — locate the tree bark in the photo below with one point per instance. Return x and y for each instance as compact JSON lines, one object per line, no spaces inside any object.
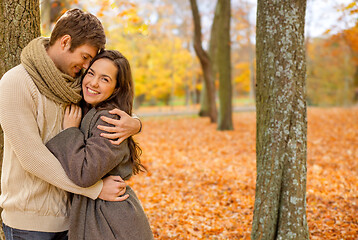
{"x":205,"y":62}
{"x":19,"y":24}
{"x":224,"y":66}
{"x":281,"y":145}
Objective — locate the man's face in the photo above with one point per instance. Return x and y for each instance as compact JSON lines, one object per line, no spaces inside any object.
{"x":72,"y":63}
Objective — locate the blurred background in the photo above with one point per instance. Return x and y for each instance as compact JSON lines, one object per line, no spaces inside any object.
{"x":157,"y":37}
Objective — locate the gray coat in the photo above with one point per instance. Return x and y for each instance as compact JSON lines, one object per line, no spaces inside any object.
{"x":87,"y":157}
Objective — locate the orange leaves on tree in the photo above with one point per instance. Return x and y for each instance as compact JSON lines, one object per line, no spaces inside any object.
{"x":130,"y":15}
{"x":328,"y":85}
{"x":104,"y":6}
{"x":350,"y":9}
{"x":350,"y":38}
{"x":72,"y":1}
{"x":125,"y":12}
{"x":350,"y":6}
{"x":201,"y":182}
{"x":327,"y":31}
{"x":126,"y":4}
{"x":351,"y":35}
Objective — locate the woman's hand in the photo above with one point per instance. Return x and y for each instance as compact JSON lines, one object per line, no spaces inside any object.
{"x":73,"y":116}
{"x":114,"y":189}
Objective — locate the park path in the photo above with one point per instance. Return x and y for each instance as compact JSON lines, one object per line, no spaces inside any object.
{"x":183,"y":111}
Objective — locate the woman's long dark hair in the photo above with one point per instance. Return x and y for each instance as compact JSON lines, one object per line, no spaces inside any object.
{"x":122,"y":98}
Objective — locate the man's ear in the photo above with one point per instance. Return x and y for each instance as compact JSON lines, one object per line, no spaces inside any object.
{"x":65,"y":42}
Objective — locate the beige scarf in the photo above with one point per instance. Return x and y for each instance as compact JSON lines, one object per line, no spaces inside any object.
{"x":50,"y":81}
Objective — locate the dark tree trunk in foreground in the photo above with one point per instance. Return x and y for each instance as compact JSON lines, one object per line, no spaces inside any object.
{"x":205,"y":62}
{"x":281,"y":145}
{"x":224,"y":66}
{"x":19,"y":24}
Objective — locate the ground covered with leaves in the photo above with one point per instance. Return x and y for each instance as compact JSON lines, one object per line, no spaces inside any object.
{"x":201,"y":182}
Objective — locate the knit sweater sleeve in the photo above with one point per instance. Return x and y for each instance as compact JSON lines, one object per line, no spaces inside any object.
{"x":18,"y":121}
{"x":88,"y":160}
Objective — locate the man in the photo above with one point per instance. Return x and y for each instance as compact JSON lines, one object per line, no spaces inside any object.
{"x":33,"y":96}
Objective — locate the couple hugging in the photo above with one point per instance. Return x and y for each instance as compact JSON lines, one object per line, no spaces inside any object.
{"x":67,"y":146}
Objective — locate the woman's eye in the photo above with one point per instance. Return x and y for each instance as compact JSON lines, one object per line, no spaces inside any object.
{"x":90,"y":73}
{"x":105,"y":79}
{"x":85,"y":58}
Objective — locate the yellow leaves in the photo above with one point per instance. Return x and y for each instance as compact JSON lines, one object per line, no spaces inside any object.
{"x":350,"y":6}
{"x":126,"y":12}
{"x":130,"y":15}
{"x":242,"y":80}
{"x":104,"y":6}
{"x":350,"y":9}
{"x":160,"y":66}
{"x":74,"y":1}
{"x":327,"y":31}
{"x":113,"y":13}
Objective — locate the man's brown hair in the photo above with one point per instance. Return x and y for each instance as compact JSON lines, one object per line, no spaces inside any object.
{"x":84,"y":28}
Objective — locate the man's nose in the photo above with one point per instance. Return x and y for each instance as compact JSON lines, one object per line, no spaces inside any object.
{"x":85,"y":65}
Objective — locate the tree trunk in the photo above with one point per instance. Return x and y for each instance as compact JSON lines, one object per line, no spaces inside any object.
{"x":204,"y":102}
{"x":251,"y":59}
{"x":355,"y":86}
{"x":252,"y":93}
{"x":46,"y":16}
{"x":19,"y":24}
{"x":213,"y":50}
{"x":51,"y":10}
{"x":224,"y":66}
{"x":205,"y":62}
{"x":281,"y":145}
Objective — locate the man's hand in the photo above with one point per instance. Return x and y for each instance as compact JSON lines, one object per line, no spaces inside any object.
{"x":123,"y":128}
{"x":113,"y":189}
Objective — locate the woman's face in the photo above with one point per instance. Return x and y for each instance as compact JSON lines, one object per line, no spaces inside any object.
{"x":100,"y":81}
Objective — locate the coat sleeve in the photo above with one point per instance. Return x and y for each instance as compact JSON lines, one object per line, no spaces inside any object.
{"x":18,"y":121}
{"x":87,"y":161}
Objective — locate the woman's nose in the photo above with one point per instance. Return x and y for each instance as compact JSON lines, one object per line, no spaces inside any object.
{"x":94,"y":82}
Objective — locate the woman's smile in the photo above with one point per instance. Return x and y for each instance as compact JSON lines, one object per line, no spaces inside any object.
{"x":92,"y":91}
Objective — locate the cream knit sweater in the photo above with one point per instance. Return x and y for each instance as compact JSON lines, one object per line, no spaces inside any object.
{"x":33,"y":182}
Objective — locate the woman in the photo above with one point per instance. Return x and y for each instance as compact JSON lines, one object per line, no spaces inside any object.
{"x":87,"y":157}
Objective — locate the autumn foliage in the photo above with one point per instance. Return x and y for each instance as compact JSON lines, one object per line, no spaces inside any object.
{"x":201,"y":182}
